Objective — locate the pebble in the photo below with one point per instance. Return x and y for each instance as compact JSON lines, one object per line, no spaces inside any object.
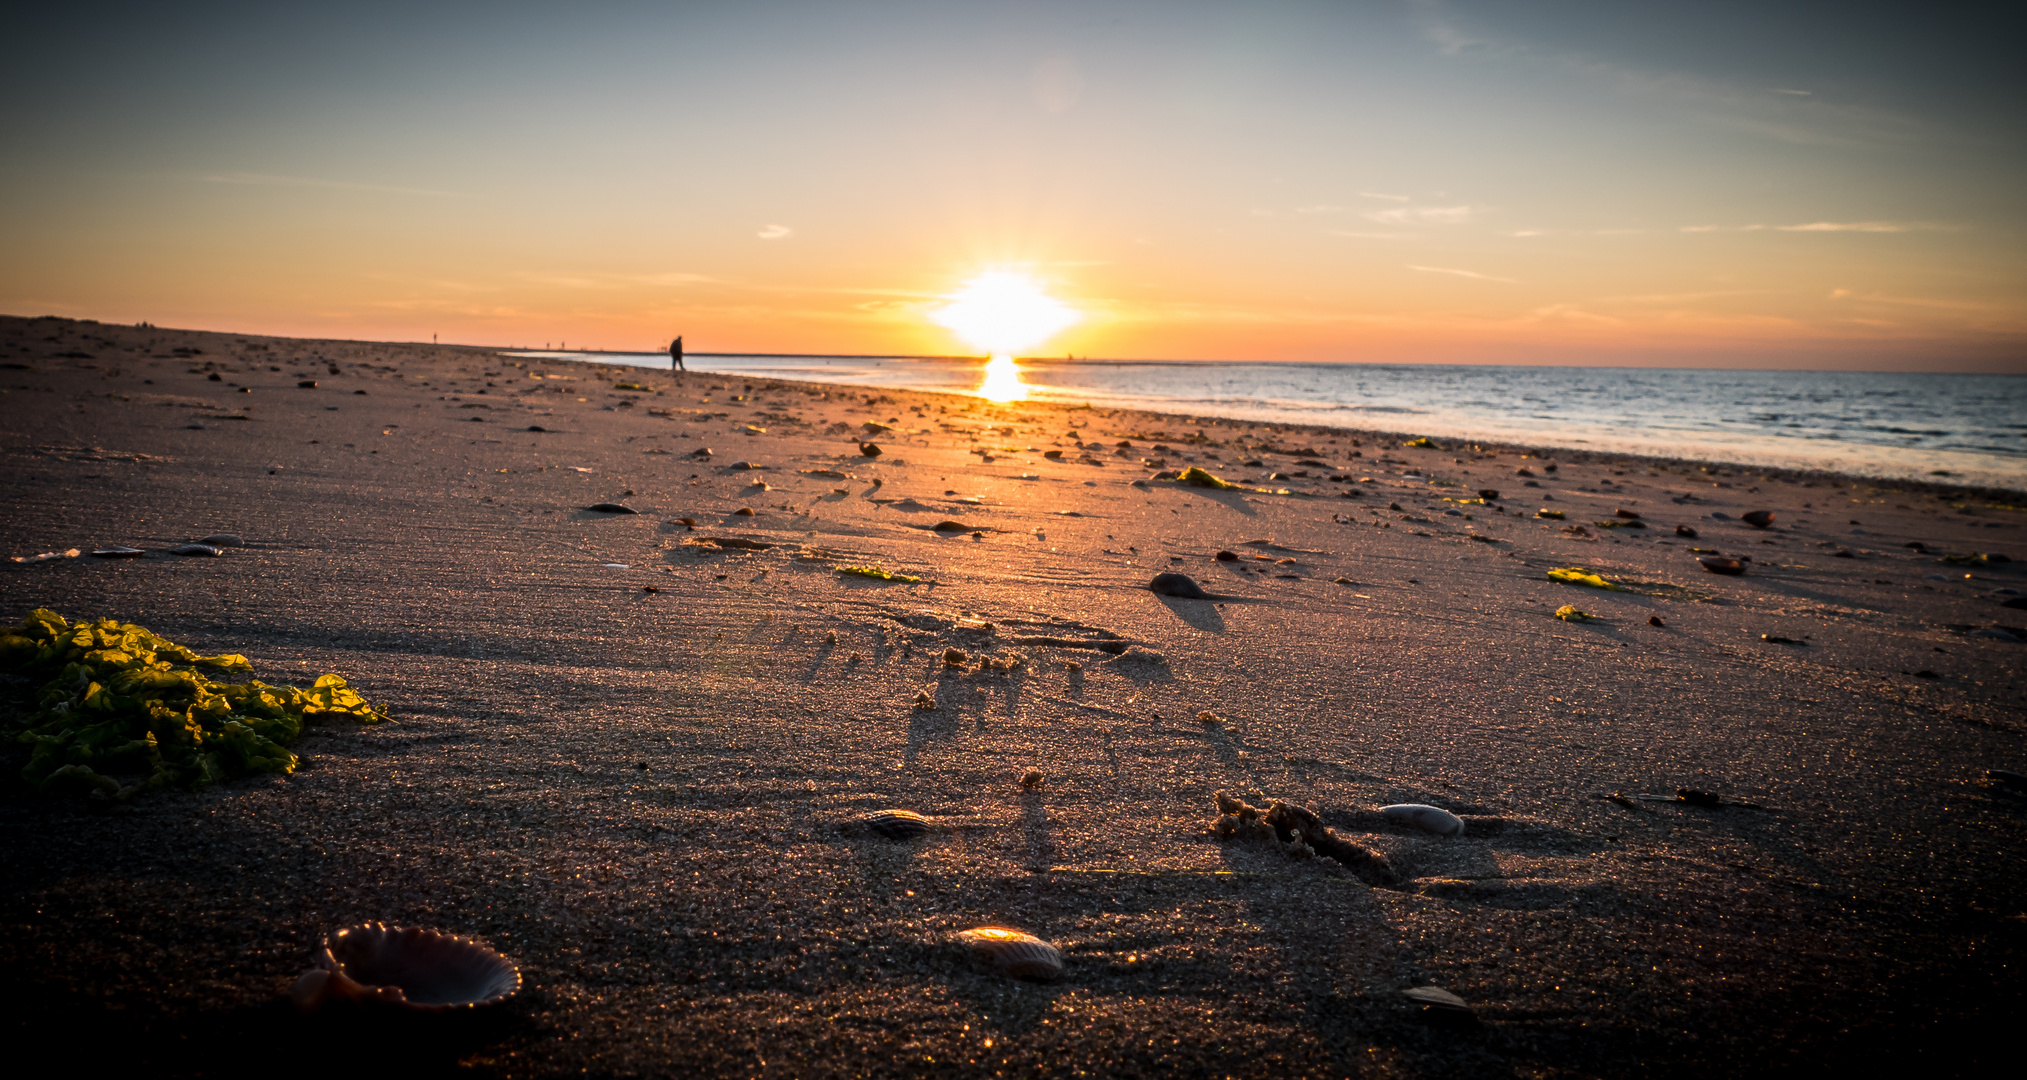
{"x":744,"y":511}
{"x":1758,"y":519}
{"x":537,"y":427}
{"x":1031,"y":779}
{"x":1429,"y":819}
{"x":1655,"y":620}
{"x":1716,"y":565}
{"x":1685,"y":531}
{"x":611,"y":508}
{"x":1178,"y":585}
{"x":196,"y":549}
{"x":222,"y":540}
{"x":1226,"y":556}
{"x":870,"y":449}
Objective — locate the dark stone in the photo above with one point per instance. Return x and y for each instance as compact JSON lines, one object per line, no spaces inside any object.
{"x":1172,"y":584}
{"x":1758,"y":519}
{"x":611,"y":508}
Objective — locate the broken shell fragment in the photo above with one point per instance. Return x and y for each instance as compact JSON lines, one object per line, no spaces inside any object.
{"x":1022,"y":955}
{"x":1429,"y":819}
{"x":1439,"y":1004}
{"x":1032,"y":779}
{"x":954,"y":658}
{"x":196,"y":549}
{"x":924,"y":699}
{"x":406,"y":967}
{"x":1718,"y":565}
{"x":897,"y":824}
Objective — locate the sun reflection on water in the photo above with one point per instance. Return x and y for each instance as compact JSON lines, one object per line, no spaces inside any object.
{"x":1003,"y":381}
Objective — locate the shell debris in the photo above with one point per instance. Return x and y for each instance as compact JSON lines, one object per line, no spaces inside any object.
{"x":1016,"y":952}
{"x":897,"y":824}
{"x":405,"y":967}
{"x":1429,"y":819}
{"x":1031,"y":779}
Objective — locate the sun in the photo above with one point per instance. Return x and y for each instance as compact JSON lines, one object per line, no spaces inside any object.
{"x":1003,"y":312}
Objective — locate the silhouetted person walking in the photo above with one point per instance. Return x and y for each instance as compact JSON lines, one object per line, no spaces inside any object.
{"x":676,"y":355}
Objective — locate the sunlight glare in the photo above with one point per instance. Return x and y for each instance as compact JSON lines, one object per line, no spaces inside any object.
{"x":1003,"y":381}
{"x":1004,"y":312}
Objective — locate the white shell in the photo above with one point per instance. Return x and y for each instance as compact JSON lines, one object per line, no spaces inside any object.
{"x":1435,"y":998}
{"x":1429,"y":819}
{"x":406,"y":967}
{"x":1015,"y":952}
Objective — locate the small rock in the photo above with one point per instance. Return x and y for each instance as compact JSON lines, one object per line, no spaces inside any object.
{"x":311,"y":384}
{"x":196,"y":549}
{"x":537,"y":427}
{"x":1177,"y":585}
{"x":924,"y":699}
{"x":1429,"y":819}
{"x":955,"y":658}
{"x":1226,"y":556}
{"x":1776,"y":639}
{"x":1758,"y":519}
{"x":701,"y":451}
{"x":1686,"y":531}
{"x":1697,"y":798}
{"x":1488,"y":494}
{"x":1718,"y":565}
{"x":897,"y":824}
{"x":1031,"y":779}
{"x":744,"y":511}
{"x":870,"y":449}
{"x":1655,"y":620}
{"x":1629,"y":515}
{"x":611,"y":508}
{"x":221,"y":540}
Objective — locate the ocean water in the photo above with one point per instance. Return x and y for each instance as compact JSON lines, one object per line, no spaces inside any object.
{"x":1882,"y":424}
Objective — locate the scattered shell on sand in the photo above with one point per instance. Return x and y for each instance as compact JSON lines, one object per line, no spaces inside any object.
{"x":1718,"y":565}
{"x":1209,"y":719}
{"x":1758,"y":519}
{"x":1697,"y":798}
{"x":222,"y":540}
{"x":954,"y":658}
{"x":1438,"y":1004}
{"x":924,"y":699}
{"x":1685,"y":531}
{"x":407,"y":967}
{"x":611,"y":508}
{"x":1429,"y":819}
{"x":118,"y":552}
{"x":1488,"y":494}
{"x":1031,"y":779}
{"x":1179,"y":585}
{"x":897,"y":824}
{"x":870,"y":449}
{"x":1226,"y":556}
{"x":1020,"y":954}
{"x":1655,"y":620}
{"x":744,"y":511}
{"x":196,"y":549}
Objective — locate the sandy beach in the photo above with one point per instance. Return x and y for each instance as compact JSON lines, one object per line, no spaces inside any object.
{"x":632,"y":753}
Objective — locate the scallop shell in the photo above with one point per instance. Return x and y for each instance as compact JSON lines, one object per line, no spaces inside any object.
{"x":1015,"y":952}
{"x":407,"y":967}
{"x":1429,"y":819}
{"x":899,"y":824}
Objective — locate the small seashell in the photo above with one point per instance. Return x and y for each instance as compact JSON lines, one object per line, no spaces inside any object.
{"x":897,"y":824}
{"x":311,"y":384}
{"x":1178,"y":585}
{"x":1625,"y":513}
{"x":1685,"y":531}
{"x":117,"y":552}
{"x":1758,"y":519}
{"x":196,"y":549}
{"x":745,"y":465}
{"x":407,"y":967}
{"x":1437,"y":1000}
{"x":924,"y":699}
{"x":222,"y":540}
{"x":1227,"y":556}
{"x":1022,"y":955}
{"x":1209,"y":719}
{"x":1719,"y":565}
{"x":870,"y":449}
{"x":1429,"y":819}
{"x":744,"y":511}
{"x":611,"y":508}
{"x":1488,"y":494}
{"x":1655,"y":620}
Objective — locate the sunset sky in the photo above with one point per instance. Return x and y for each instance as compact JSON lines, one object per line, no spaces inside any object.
{"x":1834,"y":185}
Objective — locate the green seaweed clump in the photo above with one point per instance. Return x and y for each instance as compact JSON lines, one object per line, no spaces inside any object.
{"x":1204,"y":478}
{"x":119,"y":699}
{"x":1570,"y":613}
{"x":1422,"y":443}
{"x":641,"y":387}
{"x":1577,"y":575}
{"x":877,"y":574}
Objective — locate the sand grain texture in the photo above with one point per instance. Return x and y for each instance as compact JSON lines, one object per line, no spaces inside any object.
{"x":649,"y":798}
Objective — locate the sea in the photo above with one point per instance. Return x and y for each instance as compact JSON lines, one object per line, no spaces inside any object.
{"x":1960,"y":428}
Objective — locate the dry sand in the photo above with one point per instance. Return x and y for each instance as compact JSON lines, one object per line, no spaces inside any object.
{"x":643,"y":797}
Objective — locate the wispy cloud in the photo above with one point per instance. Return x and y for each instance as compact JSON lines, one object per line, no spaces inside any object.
{"x":1845,"y":226}
{"x":1422,"y":215}
{"x":1356,"y":235}
{"x":1320,"y":208}
{"x":1796,"y":93}
{"x":774,"y":232}
{"x":270,"y":180}
{"x":1472,"y":274}
{"x":1382,"y":195}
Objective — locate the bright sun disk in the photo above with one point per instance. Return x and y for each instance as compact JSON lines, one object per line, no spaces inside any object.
{"x":1003,"y":312}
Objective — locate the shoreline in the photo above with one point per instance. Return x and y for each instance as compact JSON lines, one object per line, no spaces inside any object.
{"x":634,"y":754}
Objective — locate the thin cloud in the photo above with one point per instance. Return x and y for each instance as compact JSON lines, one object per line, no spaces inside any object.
{"x":270,"y":180}
{"x":1382,"y":195}
{"x":1845,"y":226}
{"x":1472,"y":274}
{"x":1422,"y":215}
{"x":774,"y":232}
{"x":1371,"y":235}
{"x":1320,"y":208}
{"x":1797,"y":93}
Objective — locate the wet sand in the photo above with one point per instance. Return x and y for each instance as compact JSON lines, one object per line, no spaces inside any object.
{"x":631,"y":758}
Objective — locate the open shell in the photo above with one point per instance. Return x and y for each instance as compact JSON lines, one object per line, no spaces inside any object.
{"x":1429,"y":819}
{"x":1015,"y":952}
{"x":407,"y":967}
{"x":899,"y":824}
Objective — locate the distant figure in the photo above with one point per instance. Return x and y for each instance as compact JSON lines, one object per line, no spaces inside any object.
{"x":676,"y":355}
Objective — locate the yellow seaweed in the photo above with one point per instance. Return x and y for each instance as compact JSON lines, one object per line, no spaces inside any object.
{"x":1577,"y":575}
{"x":1570,"y":613}
{"x":876,"y":574}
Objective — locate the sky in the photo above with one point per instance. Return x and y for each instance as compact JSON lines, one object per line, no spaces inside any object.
{"x":1829,"y":186}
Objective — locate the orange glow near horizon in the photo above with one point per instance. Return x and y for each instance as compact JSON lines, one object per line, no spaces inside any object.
{"x":1003,"y":381}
